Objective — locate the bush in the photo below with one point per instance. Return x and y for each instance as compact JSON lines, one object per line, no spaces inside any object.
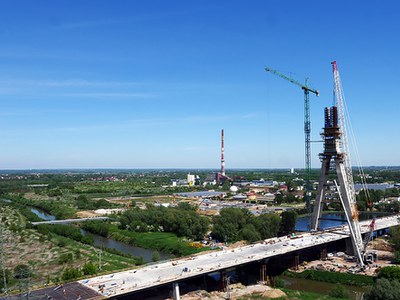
{"x":384,"y":289}
{"x":397,"y":257}
{"x":155,"y":256}
{"x":390,"y":273}
{"x":332,"y":277}
{"x":64,"y":258}
{"x":89,"y":269}
{"x":71,"y":273}
{"x":61,"y":243}
{"x":339,"y":292}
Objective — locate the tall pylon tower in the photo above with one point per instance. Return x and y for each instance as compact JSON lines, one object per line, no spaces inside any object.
{"x":336,"y":150}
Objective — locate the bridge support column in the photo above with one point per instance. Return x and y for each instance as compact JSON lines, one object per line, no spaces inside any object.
{"x":175,"y":291}
{"x":224,"y":280}
{"x":263,"y":273}
{"x":349,"y":247}
{"x":296,"y":262}
{"x":324,"y":253}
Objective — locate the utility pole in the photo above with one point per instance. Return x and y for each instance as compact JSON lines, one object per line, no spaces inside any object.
{"x":99,"y":254}
{"x":2,"y":264}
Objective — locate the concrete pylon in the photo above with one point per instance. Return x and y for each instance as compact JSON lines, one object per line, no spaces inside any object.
{"x":333,"y":152}
{"x":175,"y":291}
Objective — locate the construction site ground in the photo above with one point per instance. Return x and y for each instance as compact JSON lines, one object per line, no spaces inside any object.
{"x":236,"y":291}
{"x":340,"y":262}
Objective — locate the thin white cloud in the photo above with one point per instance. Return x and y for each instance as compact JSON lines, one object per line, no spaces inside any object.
{"x":131,"y":124}
{"x":109,"y":95}
{"x":70,"y":83}
{"x":88,"y":24}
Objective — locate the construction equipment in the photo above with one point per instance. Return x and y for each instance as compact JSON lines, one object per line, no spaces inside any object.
{"x":369,"y":257}
{"x":336,"y":149}
{"x":307,"y":128}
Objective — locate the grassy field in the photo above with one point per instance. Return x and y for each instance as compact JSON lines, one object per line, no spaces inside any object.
{"x":161,"y":241}
{"x":333,"y":277}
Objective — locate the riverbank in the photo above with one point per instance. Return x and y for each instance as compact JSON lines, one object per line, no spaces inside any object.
{"x":48,"y":256}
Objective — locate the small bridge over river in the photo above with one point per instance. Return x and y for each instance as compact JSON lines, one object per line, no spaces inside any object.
{"x":69,"y":221}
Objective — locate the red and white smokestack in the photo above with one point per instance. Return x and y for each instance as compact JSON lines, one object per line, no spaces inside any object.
{"x":222,"y":154}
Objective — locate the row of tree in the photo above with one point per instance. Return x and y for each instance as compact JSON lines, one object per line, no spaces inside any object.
{"x":234,"y":224}
{"x":181,"y":220}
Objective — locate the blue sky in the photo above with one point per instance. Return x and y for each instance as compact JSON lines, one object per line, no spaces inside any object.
{"x":150,"y":84}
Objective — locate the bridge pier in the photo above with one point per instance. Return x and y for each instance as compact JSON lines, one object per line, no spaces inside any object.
{"x":296,"y":263}
{"x":324,"y":253}
{"x":224,"y":280}
{"x":349,"y":247}
{"x":175,"y":291}
{"x":263,"y":273}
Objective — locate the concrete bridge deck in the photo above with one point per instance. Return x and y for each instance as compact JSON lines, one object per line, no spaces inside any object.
{"x":173,"y":271}
{"x":69,"y":221}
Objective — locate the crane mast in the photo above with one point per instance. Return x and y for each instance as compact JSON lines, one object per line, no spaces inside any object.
{"x":342,"y":123}
{"x":348,"y":188}
{"x":307,"y":128}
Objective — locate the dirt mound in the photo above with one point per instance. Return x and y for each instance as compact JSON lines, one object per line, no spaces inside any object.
{"x":236,"y":291}
{"x":381,"y":244}
{"x":274,"y":294}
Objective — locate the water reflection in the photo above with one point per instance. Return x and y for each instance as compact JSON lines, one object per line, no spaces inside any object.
{"x":103,"y":242}
{"x":332,"y":220}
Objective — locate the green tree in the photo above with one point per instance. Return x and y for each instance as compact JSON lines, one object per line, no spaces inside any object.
{"x":22,"y":271}
{"x":339,"y":291}
{"x":395,"y":237}
{"x":82,"y":202}
{"x":397,"y":257}
{"x":288,"y":222}
{"x":229,"y":223}
{"x":390,"y":273}
{"x":89,"y":269}
{"x":279,"y":198}
{"x":267,"y":225}
{"x":249,"y":233}
{"x":384,"y":289}
{"x":71,"y":273}
{"x":155,"y":256}
{"x":65,"y":258}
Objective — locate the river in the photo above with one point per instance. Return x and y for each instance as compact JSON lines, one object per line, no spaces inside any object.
{"x":307,"y":285}
{"x":331,"y":220}
{"x":103,"y":242}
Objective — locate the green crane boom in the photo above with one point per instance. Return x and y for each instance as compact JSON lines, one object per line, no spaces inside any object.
{"x":307,"y":128}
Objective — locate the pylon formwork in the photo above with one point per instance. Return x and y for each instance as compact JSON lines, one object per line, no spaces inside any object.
{"x":333,"y":152}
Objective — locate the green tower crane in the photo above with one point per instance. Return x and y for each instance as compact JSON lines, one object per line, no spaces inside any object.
{"x":307,"y":128}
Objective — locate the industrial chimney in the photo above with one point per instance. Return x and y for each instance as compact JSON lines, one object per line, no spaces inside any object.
{"x":222,"y":154}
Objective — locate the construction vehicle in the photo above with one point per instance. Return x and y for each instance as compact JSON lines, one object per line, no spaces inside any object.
{"x":369,"y":257}
{"x":307,"y":129}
